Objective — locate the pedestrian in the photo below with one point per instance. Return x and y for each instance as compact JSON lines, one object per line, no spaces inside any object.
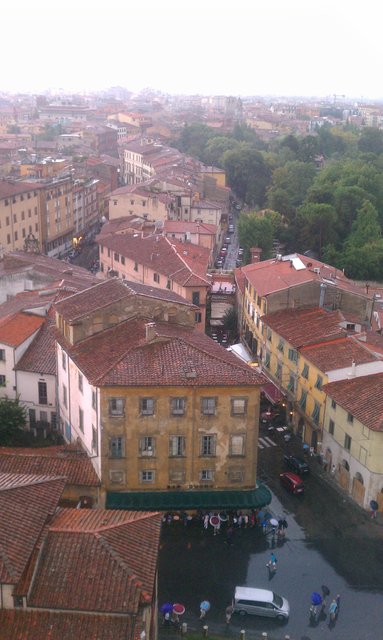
{"x":229,"y":613}
{"x":337,"y":600}
{"x":333,"y":470}
{"x":272,"y":563}
{"x":373,"y":513}
{"x":206,"y":521}
{"x":167,"y":619}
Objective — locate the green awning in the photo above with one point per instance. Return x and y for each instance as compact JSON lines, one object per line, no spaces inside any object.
{"x":188,"y":500}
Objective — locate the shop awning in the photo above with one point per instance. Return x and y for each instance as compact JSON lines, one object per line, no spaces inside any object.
{"x":186,"y":500}
{"x":272,"y":392}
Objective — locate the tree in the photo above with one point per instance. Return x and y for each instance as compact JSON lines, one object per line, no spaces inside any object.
{"x":289,"y":187}
{"x":12,"y":420}
{"x":230,"y":323}
{"x":247,"y":174}
{"x":371,"y":140}
{"x":315,"y":226}
{"x":193,"y":139}
{"x":215,"y":148}
{"x":308,"y":149}
{"x":254,"y":231}
{"x":366,"y":227}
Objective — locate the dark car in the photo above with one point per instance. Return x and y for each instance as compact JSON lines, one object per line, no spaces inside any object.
{"x":297,"y":464}
{"x":219,"y":263}
{"x":292,"y":482}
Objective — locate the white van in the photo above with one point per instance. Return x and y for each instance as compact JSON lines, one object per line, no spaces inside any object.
{"x":260,"y":602}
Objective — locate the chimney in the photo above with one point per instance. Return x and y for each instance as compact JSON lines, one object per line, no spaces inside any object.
{"x":352,"y":373}
{"x":150,"y":329}
{"x":255,"y":253}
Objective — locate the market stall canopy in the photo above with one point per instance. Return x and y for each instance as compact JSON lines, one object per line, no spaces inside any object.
{"x":184,"y":500}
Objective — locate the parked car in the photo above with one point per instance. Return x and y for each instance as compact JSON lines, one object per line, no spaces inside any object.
{"x":298,"y":465}
{"x":219,"y":263}
{"x":227,"y":240}
{"x":240,"y":251}
{"x":260,"y":602}
{"x":231,"y":228}
{"x":239,"y":262}
{"x":292,"y":482}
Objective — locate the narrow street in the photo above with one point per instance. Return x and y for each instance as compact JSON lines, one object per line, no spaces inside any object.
{"x":329,"y":541}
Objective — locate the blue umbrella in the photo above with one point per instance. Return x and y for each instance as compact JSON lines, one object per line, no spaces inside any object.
{"x":374,"y":505}
{"x":205,"y":605}
{"x":167,"y":607}
{"x":316,"y":598}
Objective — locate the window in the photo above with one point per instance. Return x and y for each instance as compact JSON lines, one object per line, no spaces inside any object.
{"x":147,"y":406}
{"x":32,"y":417}
{"x":195,"y":298}
{"x":2,"y":355}
{"x":291,"y":385}
{"x":43,"y":416}
{"x":176,"y":446}
{"x":350,"y":418}
{"x":176,"y":476}
{"x":169,"y":284}
{"x":81,"y":419}
{"x":269,"y":334}
{"x":122,"y":260}
{"x":316,"y":412}
{"x":237,"y":445}
{"x":331,"y":427}
{"x":333,"y":404}
{"x":3,"y":381}
{"x":207,"y":475}
{"x":80,"y":382}
{"x":16,"y":236}
{"x":94,"y":399}
{"x":319,"y":382}
{"x":281,"y":345}
{"x":236,"y":475}
{"x":208,"y":445}
{"x":178,"y":406}
{"x":117,"y":447}
{"x":278,"y":371}
{"x":65,"y":396}
{"x":18,"y":601}
{"x":54,"y":421}
{"x":63,"y":360}
{"x":198,"y":317}
{"x":147,"y":446}
{"x":136,"y":266}
{"x":208,"y":406}
{"x":117,"y":257}
{"x":116,"y":407}
{"x":147,"y":476}
{"x":302,"y":401}
{"x":305,"y":371}
{"x":238,"y":406}
{"x":117,"y":477}
{"x":43,"y":394}
{"x":347,"y":442}
{"x":156,"y":277}
{"x":267,"y":360}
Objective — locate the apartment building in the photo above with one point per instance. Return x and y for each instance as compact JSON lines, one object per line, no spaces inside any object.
{"x":20,"y":204}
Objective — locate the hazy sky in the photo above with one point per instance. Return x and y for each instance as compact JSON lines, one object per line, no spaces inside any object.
{"x":238,"y":47}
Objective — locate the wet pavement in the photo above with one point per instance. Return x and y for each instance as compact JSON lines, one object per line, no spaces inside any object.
{"x":329,"y":541}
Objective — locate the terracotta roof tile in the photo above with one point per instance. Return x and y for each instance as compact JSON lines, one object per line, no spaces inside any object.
{"x":181,"y":356}
{"x":176,"y":260}
{"x":63,"y":460}
{"x":40,"y":357}
{"x":20,"y":624}
{"x":91,"y":566}
{"x":337,"y":354}
{"x":108,"y":291}
{"x":14,"y":330}
{"x":302,"y":327}
{"x":360,"y":396}
{"x":25,"y":504}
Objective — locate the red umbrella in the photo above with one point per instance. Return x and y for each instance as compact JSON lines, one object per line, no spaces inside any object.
{"x":178,"y":608}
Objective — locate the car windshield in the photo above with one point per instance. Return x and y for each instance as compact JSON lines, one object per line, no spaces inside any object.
{"x":277,"y":600}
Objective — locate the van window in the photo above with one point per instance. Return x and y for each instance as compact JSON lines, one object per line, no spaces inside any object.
{"x":277,"y":600}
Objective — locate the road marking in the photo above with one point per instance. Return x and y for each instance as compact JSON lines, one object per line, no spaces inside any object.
{"x":266,"y":442}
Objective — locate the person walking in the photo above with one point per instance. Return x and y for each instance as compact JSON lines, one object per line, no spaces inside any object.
{"x":272,"y":563}
{"x":229,"y":613}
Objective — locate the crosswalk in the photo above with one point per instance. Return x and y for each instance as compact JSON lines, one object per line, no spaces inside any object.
{"x":265,"y":442}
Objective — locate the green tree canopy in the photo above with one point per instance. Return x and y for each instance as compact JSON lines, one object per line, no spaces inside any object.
{"x":12,"y":420}
{"x":315,"y":226}
{"x":256,"y":231}
{"x":371,"y":140}
{"x":215,"y":148}
{"x":247,"y":174}
{"x":289,"y":187}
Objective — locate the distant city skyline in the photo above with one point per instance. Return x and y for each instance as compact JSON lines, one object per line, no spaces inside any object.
{"x":207,"y":47}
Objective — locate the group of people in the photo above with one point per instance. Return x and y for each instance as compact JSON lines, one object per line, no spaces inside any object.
{"x":318,"y":605}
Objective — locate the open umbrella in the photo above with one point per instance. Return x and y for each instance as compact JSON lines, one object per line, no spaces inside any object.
{"x":215,"y":521}
{"x":274,"y":522}
{"x":178,"y":608}
{"x":316,"y":598}
{"x":205,"y":605}
{"x":167,"y":607}
{"x":374,"y":505}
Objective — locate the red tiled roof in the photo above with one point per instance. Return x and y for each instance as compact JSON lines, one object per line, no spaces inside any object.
{"x":360,"y":396}
{"x":108,"y":291}
{"x":64,"y":461}
{"x":100,"y":561}
{"x":14,"y":330}
{"x":185,"y":264}
{"x":25,"y":504}
{"x":177,"y":356}
{"x":270,"y":276}
{"x":40,"y":357}
{"x":8,"y":189}
{"x":180,"y":226}
{"x":18,"y":624}
{"x":337,"y":354}
{"x":302,"y":327}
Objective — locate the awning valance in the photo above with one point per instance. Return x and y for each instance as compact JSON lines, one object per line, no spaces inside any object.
{"x":187,"y":500}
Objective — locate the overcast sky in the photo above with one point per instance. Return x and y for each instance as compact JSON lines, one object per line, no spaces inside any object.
{"x":238,"y":47}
